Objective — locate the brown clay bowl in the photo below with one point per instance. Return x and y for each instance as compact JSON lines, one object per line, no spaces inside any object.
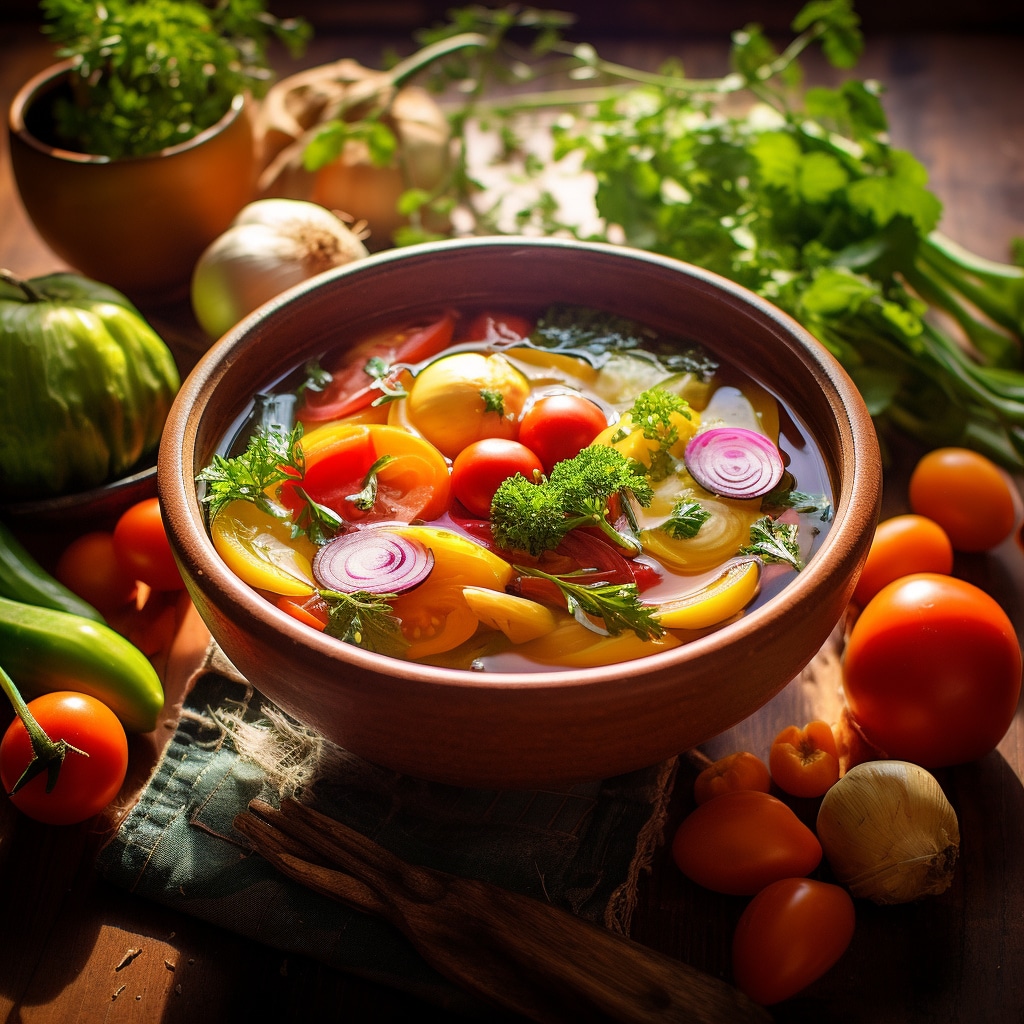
{"x":137,"y":223}
{"x":522,"y":730}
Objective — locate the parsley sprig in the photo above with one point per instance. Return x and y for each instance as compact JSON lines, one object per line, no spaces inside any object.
{"x":774,"y":541}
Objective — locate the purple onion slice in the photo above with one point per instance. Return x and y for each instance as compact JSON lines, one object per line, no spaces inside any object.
{"x":734,"y":462}
{"x":374,"y":561}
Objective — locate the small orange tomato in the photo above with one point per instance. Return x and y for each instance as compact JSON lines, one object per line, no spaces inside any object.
{"x":903,"y":545}
{"x":742,"y":841}
{"x":90,"y":568}
{"x":789,"y":935}
{"x":967,"y":494}
{"x":741,"y":770}
{"x":804,"y":762}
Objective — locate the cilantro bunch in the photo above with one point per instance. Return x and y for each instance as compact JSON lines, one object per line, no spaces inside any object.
{"x":797,"y":194}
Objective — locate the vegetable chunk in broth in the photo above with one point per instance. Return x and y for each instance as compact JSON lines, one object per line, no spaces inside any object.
{"x":510,"y":491}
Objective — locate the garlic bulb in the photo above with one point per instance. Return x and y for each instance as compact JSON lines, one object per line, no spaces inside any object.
{"x":270,"y":246}
{"x":889,"y":833}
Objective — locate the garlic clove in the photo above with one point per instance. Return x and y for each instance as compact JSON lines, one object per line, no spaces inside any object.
{"x":889,"y":833}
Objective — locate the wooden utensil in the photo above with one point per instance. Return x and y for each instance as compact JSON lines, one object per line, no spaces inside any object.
{"x":514,"y":951}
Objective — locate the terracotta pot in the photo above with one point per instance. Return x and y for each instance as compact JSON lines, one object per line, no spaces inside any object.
{"x":521,"y":729}
{"x":137,"y":223}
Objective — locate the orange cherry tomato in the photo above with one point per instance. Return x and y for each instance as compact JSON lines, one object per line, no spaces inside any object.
{"x":967,"y":494}
{"x":90,"y":568}
{"x":141,"y":544}
{"x":741,"y":770}
{"x":740,"y":842}
{"x":788,"y":936}
{"x":932,"y":671}
{"x":903,"y":545}
{"x":805,"y":762}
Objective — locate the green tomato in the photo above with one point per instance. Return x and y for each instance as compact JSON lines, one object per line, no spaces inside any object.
{"x":85,"y":385}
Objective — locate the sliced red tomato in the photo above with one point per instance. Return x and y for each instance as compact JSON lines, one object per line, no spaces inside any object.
{"x":351,"y":388}
{"x":413,"y":483}
{"x":493,"y":327}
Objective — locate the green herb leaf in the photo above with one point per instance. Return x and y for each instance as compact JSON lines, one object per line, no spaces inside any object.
{"x":687,"y":518}
{"x":365,"y":620}
{"x":774,"y":541}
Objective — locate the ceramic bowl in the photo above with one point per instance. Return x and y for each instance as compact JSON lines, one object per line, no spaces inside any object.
{"x":137,"y":223}
{"x":507,"y":730}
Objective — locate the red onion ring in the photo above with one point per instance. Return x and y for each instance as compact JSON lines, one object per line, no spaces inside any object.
{"x":734,"y":462}
{"x":374,"y":561}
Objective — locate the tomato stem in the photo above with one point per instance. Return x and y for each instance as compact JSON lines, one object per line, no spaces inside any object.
{"x":47,"y":754}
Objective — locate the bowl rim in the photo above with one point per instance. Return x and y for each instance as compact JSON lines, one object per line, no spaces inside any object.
{"x":857,"y":464}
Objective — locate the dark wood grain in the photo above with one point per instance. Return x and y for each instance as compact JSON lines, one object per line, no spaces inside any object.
{"x":67,"y":940}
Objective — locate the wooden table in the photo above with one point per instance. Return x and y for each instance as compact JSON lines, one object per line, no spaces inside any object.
{"x":66,"y":938}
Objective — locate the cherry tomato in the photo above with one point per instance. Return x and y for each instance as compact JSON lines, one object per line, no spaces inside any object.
{"x":141,"y":544}
{"x":968,"y":495}
{"x":903,"y":545}
{"x":351,"y":388}
{"x":740,"y":842}
{"x":804,"y":762}
{"x":90,"y":568}
{"x":932,"y":671}
{"x":85,"y":785}
{"x":480,"y":468}
{"x":788,"y":936}
{"x":558,"y":427}
{"x":741,"y":770}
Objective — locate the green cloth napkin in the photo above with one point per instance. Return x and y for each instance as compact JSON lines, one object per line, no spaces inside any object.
{"x":581,"y":847}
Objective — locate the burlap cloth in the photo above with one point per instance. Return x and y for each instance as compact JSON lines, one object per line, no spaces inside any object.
{"x":582,"y":848}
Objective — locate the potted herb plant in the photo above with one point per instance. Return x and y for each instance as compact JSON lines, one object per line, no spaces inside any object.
{"x":136,"y":150}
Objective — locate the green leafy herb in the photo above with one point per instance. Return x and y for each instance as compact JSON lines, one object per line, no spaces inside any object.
{"x":534,"y":517}
{"x":589,"y":330}
{"x":617,"y":605}
{"x":155,"y":74}
{"x":271,"y":457}
{"x":366,"y":620}
{"x":774,"y":541}
{"x":365,"y":498}
{"x":653,"y":412}
{"x":494,"y":401}
{"x":687,"y":518}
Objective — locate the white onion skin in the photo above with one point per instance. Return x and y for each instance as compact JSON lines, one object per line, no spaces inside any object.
{"x":271,"y":245}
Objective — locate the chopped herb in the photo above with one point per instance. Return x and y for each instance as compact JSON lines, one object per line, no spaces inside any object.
{"x":688,"y":516}
{"x":774,"y":541}
{"x":366,"y":620}
{"x":653,"y":412}
{"x":494,"y":401}
{"x":366,"y":497}
{"x":617,"y":605}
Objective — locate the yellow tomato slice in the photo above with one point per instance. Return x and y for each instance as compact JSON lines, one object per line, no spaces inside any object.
{"x":519,"y":618}
{"x":574,"y":646}
{"x":260,"y":550}
{"x":717,"y":601}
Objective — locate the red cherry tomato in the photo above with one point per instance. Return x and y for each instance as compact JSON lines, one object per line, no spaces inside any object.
{"x":90,"y":568}
{"x":804,"y":762}
{"x":903,"y":545}
{"x":85,"y":785}
{"x":789,"y":935}
{"x":968,"y":495}
{"x":558,"y":427}
{"x":740,"y":842}
{"x":480,"y":467}
{"x":932,"y":671}
{"x":141,"y":544}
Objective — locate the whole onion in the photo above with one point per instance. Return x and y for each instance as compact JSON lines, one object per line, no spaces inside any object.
{"x":271,"y":245}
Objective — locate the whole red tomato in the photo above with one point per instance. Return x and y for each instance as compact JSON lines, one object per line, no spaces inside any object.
{"x":932,"y":671}
{"x":141,"y":545}
{"x":741,"y":841}
{"x":480,"y":468}
{"x":559,"y":426}
{"x":85,"y":784}
{"x":789,"y":935}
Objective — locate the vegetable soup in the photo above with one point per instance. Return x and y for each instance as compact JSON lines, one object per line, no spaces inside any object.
{"x":518,"y":491}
